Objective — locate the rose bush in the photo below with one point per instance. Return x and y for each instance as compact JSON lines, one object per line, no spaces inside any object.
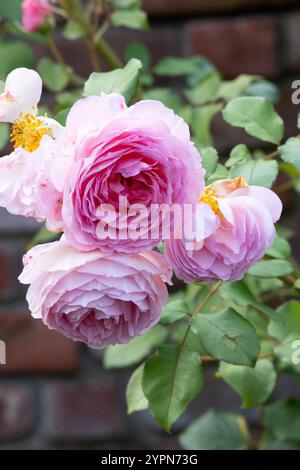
{"x":121,"y":132}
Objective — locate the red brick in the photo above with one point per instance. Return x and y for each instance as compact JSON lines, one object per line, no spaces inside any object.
{"x":5,"y":273}
{"x":240,"y":45}
{"x":160,"y":40}
{"x":32,"y":347}
{"x":81,"y":412}
{"x":178,"y":7}
{"x":16,"y":412}
{"x":292,"y":25}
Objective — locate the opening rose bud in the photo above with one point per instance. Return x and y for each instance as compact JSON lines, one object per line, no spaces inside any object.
{"x":238,"y":228}
{"x":34,"y":13}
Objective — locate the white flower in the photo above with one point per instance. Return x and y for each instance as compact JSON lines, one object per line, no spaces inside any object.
{"x":22,"y":92}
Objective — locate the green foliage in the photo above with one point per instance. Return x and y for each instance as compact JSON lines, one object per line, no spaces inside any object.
{"x":272,"y":268}
{"x":192,"y":67}
{"x":4,"y":135}
{"x":256,"y":172}
{"x":227,"y":336}
{"x":254,"y":385}
{"x":13,"y":55}
{"x":136,"y":400}
{"x":124,"y":355}
{"x":210,"y":159}
{"x":137,"y":50}
{"x":290,"y":152}
{"x":175,"y":310}
{"x":282,"y":420}
{"x":123,"y":81}
{"x":74,"y":30}
{"x":257,"y":116}
{"x":133,"y":19}
{"x":55,"y":77}
{"x":216,"y":430}
{"x":10,"y":9}
{"x":172,"y":378}
{"x":241,"y":294}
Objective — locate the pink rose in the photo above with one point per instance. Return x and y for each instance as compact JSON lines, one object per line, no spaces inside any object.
{"x":142,"y":153}
{"x":239,"y":227}
{"x":94,"y":297}
{"x":34,"y":13}
{"x":31,"y":184}
{"x":32,"y":177}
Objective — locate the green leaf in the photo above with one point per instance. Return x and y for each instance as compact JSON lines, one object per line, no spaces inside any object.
{"x":288,"y":321}
{"x":219,"y":174}
{"x":136,"y":400}
{"x":290,"y":152}
{"x":269,"y":441}
{"x":123,"y":81}
{"x":124,"y":355}
{"x":271,"y":268}
{"x":175,"y":310}
{"x":282,"y":418}
{"x":264,"y":88}
{"x":216,"y":430}
{"x":242,"y":295}
{"x":205,"y":91}
{"x":172,"y":378}
{"x":257,"y":116}
{"x":43,"y":236}
{"x":183,"y":66}
{"x":227,"y":336}
{"x":14,"y":55}
{"x":125,"y":3}
{"x":192,"y":342}
{"x":201,"y":122}
{"x":166,"y":96}
{"x":4,"y":135}
{"x":280,"y":249}
{"x":10,"y":9}
{"x":61,"y":117}
{"x":55,"y":77}
{"x":137,"y":50}
{"x":233,"y":88}
{"x":210,"y":159}
{"x":74,"y":30}
{"x":17,"y":29}
{"x":133,"y":19}
{"x":256,"y":172}
{"x":66,"y":99}
{"x":239,"y":154}
{"x":254,"y":385}
{"x":297,"y":284}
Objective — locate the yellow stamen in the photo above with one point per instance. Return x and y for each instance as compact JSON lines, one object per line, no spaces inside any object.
{"x":209,"y":196}
{"x":221,"y":188}
{"x":27,"y":132}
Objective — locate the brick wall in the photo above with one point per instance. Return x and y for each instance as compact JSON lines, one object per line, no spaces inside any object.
{"x":55,"y":393}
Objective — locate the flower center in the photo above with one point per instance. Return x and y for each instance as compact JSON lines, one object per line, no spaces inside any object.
{"x":27,"y":132}
{"x":209,"y":196}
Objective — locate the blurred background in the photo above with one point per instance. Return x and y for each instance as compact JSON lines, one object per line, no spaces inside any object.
{"x":54,"y":393}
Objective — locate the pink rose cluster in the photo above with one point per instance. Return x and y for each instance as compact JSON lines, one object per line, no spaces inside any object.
{"x":107,"y":290}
